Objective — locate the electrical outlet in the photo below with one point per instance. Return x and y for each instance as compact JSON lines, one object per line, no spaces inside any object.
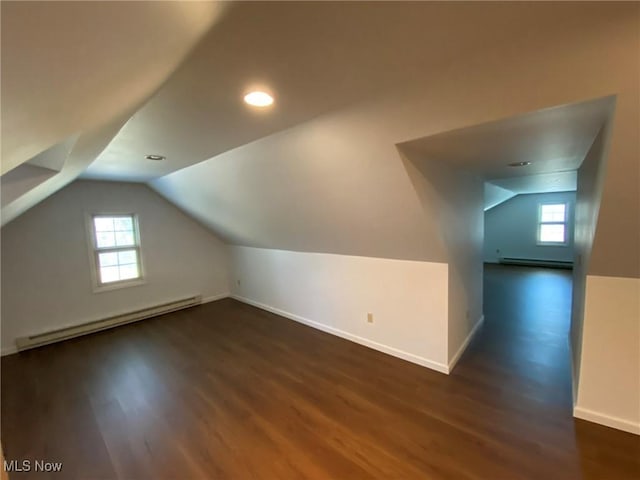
{"x":370,"y":317}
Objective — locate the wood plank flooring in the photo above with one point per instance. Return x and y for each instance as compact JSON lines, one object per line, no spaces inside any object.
{"x":227,"y":391}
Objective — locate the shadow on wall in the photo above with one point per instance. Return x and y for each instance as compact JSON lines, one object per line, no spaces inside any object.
{"x":589,"y":192}
{"x":452,"y":200}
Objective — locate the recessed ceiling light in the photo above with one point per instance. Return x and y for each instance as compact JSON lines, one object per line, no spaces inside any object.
{"x":519,"y":164}
{"x":258,"y":99}
{"x":155,"y":157}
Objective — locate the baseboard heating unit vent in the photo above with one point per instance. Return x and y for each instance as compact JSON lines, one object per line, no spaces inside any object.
{"x":532,"y":262}
{"x":38,"y":340}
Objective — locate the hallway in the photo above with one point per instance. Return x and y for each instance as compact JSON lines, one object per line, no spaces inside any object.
{"x":526,"y":330}
{"x":523,"y":348}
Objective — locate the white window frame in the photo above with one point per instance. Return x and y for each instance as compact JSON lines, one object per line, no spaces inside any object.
{"x":94,"y":250}
{"x":565,"y":223}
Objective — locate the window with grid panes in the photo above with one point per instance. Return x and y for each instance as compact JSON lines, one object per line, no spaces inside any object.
{"x":552,"y":224}
{"x":116,"y":248}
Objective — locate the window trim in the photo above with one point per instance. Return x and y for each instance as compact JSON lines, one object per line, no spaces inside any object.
{"x":565,"y":243}
{"x":94,"y":251}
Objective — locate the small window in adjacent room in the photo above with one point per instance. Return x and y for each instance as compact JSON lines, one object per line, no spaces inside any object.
{"x":116,"y":249}
{"x":552,"y":224}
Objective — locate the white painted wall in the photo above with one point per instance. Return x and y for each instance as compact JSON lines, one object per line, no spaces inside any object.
{"x":334,"y":293}
{"x":46,"y":275}
{"x":424,"y":312}
{"x":452,"y":201}
{"x":609,"y":389}
{"x":512,"y":229}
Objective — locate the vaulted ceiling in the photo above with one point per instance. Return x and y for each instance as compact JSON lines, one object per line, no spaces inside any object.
{"x":315,"y":57}
{"x":90,"y":88}
{"x":71,"y":67}
{"x":73,"y":73}
{"x":535,"y":152}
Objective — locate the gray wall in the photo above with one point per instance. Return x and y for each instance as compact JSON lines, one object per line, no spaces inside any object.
{"x":453,"y":200}
{"x":590,"y":182}
{"x":46,"y":270}
{"x":341,"y":172}
{"x":512,"y":228}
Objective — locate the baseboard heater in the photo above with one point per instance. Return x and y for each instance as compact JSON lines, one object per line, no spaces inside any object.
{"x":38,"y":340}
{"x":532,"y":262}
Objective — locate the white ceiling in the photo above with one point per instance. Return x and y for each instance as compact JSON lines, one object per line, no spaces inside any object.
{"x":21,"y":180}
{"x":30,"y":185}
{"x":541,"y":183}
{"x":554,"y":140}
{"x":138,"y":78}
{"x":500,"y":190}
{"x":70,"y":67}
{"x":55,"y":156}
{"x":314,"y":56}
{"x":495,"y":195}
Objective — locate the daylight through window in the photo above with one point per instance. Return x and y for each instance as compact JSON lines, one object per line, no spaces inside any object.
{"x":116,"y":248}
{"x":552,"y":225}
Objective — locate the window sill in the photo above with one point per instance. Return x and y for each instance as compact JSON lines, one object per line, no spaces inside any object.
{"x":118,"y":285}
{"x":552,"y":244}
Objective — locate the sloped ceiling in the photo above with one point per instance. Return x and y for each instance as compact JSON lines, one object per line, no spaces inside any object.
{"x":314,"y":57}
{"x":565,"y":181}
{"x":69,"y":67}
{"x":72,"y":69}
{"x":54,"y":157}
{"x":502,"y":189}
{"x":28,"y":175}
{"x":337,"y":183}
{"x":321,"y":170}
{"x":495,"y":195}
{"x":29,"y":191}
{"x":553,"y":140}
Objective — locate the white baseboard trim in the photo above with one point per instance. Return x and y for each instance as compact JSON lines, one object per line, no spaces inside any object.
{"x":8,"y":350}
{"x":13,"y":349}
{"x":213,"y":298}
{"x":607,"y":420}
{"x":465,"y":344}
{"x":425,"y":362}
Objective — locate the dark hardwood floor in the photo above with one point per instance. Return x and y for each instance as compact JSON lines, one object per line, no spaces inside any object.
{"x":225,"y":390}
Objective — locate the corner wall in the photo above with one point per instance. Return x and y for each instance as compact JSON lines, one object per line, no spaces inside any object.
{"x":334,"y":293}
{"x":46,"y":272}
{"x":452,"y":199}
{"x":591,"y":176}
{"x":605,"y":323}
{"x":423,"y":312}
